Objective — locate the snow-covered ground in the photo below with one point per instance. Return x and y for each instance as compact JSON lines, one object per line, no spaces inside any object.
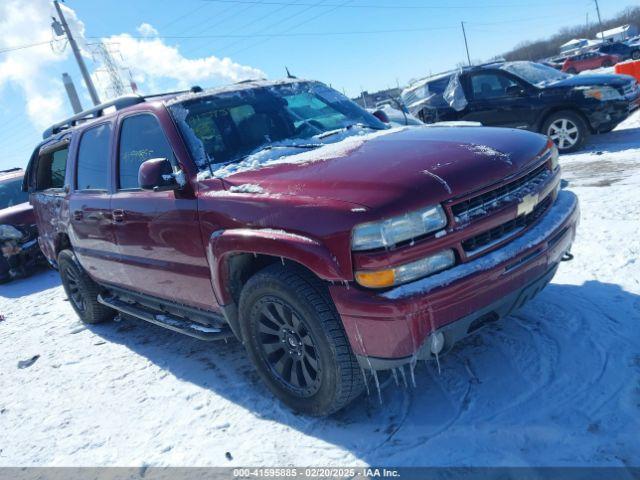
{"x":558,"y":383}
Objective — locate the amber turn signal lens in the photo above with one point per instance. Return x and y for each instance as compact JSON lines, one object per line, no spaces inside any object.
{"x":381,"y":279}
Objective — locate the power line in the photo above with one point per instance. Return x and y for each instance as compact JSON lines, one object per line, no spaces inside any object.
{"x":22,"y":47}
{"x":298,"y":25}
{"x":369,"y":6}
{"x":340,"y":33}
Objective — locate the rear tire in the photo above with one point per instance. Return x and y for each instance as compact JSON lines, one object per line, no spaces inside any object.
{"x":567,"y":129}
{"x":81,"y":290}
{"x":572,"y":71}
{"x":607,"y":64}
{"x":635,"y":55}
{"x":296,"y":341}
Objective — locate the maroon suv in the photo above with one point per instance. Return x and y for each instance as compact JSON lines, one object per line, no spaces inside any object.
{"x":283,"y":214}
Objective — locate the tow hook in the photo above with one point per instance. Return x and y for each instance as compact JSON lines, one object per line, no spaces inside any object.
{"x":567,"y":257}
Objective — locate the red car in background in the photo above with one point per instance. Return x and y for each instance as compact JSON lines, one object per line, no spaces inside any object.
{"x":589,"y":61}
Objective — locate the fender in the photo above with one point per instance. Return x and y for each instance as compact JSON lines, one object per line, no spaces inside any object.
{"x":277,"y":243}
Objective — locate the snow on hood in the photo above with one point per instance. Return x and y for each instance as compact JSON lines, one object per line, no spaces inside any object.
{"x":338,"y":145}
{"x":397,"y":168}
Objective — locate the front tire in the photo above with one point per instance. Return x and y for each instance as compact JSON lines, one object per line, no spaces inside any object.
{"x":81,"y":290}
{"x":567,"y":130}
{"x":295,"y":339}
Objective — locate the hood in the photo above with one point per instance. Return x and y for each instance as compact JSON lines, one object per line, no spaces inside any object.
{"x":21,"y":214}
{"x":592,"y":80}
{"x":415,"y":165}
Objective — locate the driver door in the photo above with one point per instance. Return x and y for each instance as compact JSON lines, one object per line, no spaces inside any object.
{"x":160,"y":247}
{"x":497,"y":99}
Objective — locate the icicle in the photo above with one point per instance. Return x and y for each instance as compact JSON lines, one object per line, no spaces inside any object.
{"x":404,"y":378}
{"x":438,"y":363}
{"x":375,"y":378}
{"x":282,"y":260}
{"x":366,"y":382}
{"x":395,"y":376}
{"x":430,"y":338}
{"x":371,"y":369}
{"x":412,"y":366}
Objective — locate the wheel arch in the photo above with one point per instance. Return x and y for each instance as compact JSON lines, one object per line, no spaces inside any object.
{"x":562,"y":108}
{"x":236,"y":255}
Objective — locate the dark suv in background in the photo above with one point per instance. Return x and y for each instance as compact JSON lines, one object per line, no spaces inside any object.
{"x":18,"y":234}
{"x":527,"y":95}
{"x":623,"y":50}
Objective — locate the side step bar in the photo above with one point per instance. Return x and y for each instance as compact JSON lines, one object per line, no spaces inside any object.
{"x":171,"y":322}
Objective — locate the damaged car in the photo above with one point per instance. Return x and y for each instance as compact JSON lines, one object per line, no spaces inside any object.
{"x":530,"y":96}
{"x":331,"y":245}
{"x":18,"y":232}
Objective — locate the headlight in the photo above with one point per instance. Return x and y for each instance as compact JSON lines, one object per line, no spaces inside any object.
{"x":601,"y":93}
{"x":407,"y":272}
{"x":392,"y":231}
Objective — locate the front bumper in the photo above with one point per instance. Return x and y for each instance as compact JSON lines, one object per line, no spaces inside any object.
{"x":391,"y":328}
{"x":606,"y":115}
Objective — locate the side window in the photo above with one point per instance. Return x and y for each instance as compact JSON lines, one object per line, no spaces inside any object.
{"x":490,"y":85}
{"x":93,"y":159}
{"x":141,"y":138}
{"x":51,"y":169}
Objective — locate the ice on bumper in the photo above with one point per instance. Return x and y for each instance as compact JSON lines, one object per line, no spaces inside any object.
{"x":564,"y":206}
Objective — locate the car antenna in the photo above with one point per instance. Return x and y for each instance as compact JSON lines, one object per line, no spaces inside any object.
{"x":289,"y":73}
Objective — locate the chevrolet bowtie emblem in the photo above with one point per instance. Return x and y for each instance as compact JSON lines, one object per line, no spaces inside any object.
{"x":527,"y":204}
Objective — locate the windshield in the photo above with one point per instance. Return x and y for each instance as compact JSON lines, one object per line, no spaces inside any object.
{"x":535,"y":73}
{"x":11,"y":193}
{"x":226,"y":127}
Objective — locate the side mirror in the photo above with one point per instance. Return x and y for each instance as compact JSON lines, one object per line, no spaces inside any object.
{"x":515,"y":91}
{"x":381,"y":115}
{"x":157,"y":174}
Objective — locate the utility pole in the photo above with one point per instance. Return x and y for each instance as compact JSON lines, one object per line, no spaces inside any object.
{"x":466,"y":45}
{"x":599,"y":21}
{"x":76,"y":52}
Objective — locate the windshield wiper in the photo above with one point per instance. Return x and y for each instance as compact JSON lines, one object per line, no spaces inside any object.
{"x":304,"y":146}
{"x":344,"y":129}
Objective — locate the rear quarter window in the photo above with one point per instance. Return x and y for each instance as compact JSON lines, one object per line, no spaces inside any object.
{"x":92,"y":170}
{"x":51,"y":169}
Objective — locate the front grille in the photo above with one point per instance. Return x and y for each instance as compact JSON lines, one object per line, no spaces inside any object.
{"x":484,"y":203}
{"x":496,"y":235}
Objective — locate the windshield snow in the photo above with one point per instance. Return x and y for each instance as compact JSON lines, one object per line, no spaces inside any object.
{"x":535,"y":73}
{"x":226,"y":128}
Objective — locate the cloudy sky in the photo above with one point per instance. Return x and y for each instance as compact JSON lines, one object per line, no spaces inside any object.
{"x":168,"y":45}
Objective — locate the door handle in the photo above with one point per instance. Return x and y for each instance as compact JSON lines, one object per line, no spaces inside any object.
{"x":77,"y":214}
{"x":118,"y":215}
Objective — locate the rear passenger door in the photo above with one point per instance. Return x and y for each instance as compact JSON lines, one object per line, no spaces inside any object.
{"x":160,"y":247}
{"x":46,"y":178}
{"x":90,"y":221}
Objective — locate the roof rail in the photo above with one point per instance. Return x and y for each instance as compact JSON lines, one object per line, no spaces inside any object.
{"x":95,"y":112}
{"x":8,"y":170}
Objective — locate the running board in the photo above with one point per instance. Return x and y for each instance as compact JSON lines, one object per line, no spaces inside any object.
{"x":177,"y":324}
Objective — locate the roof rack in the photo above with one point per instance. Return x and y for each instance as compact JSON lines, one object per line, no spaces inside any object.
{"x":9,"y":170}
{"x":95,"y":112}
{"x":98,"y":111}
